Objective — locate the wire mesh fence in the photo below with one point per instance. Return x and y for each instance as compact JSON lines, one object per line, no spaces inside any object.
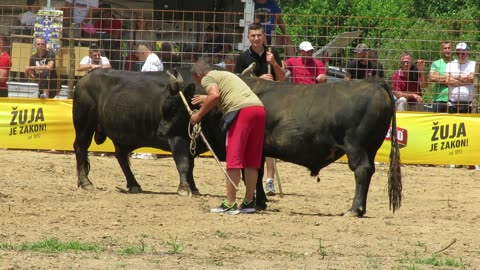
{"x":181,"y":37}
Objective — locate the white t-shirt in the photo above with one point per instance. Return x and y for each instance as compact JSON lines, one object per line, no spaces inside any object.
{"x":28,"y":18}
{"x":462,"y":92}
{"x":81,"y":8}
{"x":88,"y":61}
{"x":153,"y":63}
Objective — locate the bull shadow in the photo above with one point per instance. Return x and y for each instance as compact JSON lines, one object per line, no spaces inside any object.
{"x":321,"y":215}
{"x":174,"y":193}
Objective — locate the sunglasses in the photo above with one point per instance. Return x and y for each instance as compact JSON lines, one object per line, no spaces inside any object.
{"x":461,"y":54}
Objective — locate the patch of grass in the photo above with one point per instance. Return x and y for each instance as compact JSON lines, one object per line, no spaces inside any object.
{"x":133,"y":250}
{"x":373,"y":263}
{"x":434,"y":260}
{"x":295,"y":256}
{"x":221,"y":234}
{"x":321,"y":249}
{"x":174,"y":245}
{"x":276,"y":234}
{"x":52,"y":245}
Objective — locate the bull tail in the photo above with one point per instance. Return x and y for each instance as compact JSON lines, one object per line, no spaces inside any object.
{"x":394,"y":171}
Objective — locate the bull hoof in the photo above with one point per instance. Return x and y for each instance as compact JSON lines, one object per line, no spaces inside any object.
{"x":134,"y":190}
{"x":351,"y":213}
{"x":88,"y":187}
{"x":260,"y":206}
{"x":184,"y":190}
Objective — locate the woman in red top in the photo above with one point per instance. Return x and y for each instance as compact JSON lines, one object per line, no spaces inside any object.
{"x":5,"y":65}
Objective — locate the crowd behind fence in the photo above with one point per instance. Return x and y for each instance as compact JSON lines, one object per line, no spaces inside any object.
{"x":181,"y":37}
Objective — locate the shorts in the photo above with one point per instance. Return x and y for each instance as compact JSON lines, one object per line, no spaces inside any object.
{"x":244,"y":143}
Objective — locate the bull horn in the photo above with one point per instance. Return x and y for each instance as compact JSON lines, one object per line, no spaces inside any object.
{"x":179,"y":77}
{"x":171,"y":75}
{"x":249,"y":70}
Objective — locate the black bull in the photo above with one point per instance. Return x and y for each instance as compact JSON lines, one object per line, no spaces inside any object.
{"x":311,"y":126}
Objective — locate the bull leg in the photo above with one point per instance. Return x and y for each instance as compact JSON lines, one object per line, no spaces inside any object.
{"x":184,"y":162}
{"x":121,"y":153}
{"x":363,"y":169}
{"x":84,"y":128}
{"x":261,"y":198}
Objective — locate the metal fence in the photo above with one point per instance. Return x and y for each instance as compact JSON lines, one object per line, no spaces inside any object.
{"x":179,"y":37}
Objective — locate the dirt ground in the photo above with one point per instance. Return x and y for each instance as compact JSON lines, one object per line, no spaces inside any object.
{"x":436,"y":227}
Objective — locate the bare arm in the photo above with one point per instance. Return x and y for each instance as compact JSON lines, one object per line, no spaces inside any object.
{"x":421,"y":75}
{"x":281,"y":24}
{"x":4,"y":75}
{"x":456,"y":80}
{"x":212,"y":99}
{"x":434,"y":76}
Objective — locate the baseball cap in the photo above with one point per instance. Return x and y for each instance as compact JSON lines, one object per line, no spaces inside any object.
{"x":462,"y":46}
{"x":361,"y":48}
{"x":306,"y":46}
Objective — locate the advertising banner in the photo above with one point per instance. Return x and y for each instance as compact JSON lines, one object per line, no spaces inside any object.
{"x":424,"y":138}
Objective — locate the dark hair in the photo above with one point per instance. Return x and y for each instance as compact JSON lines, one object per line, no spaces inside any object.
{"x":255,"y":26}
{"x":166,"y":46}
{"x":31,"y":2}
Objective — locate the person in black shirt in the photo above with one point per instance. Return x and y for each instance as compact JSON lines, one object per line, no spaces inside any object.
{"x":262,"y":56}
{"x":42,"y":69}
{"x":361,"y":67}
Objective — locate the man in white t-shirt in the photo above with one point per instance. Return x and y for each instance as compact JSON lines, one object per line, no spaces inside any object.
{"x":93,"y":60}
{"x":460,"y":75}
{"x":152,"y":63}
{"x":151,"y":59}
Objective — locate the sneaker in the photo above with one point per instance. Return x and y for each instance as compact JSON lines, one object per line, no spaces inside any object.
{"x":270,"y":187}
{"x":247,"y":207}
{"x":225,"y":208}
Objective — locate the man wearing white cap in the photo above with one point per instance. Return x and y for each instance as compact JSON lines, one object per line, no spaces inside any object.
{"x":361,"y":67}
{"x":306,"y":69}
{"x":460,"y":75}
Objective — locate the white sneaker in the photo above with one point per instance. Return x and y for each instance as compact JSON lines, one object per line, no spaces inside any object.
{"x":270,"y":187}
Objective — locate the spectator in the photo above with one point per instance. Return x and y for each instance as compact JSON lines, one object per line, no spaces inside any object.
{"x":407,"y":84}
{"x":306,"y":69}
{"x":263,"y":58}
{"x":460,"y":76}
{"x":108,"y":30}
{"x":373,"y":56}
{"x":5,"y":65}
{"x":214,"y":44}
{"x":190,"y":54}
{"x":42,"y":69}
{"x":168,"y":56}
{"x":150,"y":59}
{"x":151,"y":63}
{"x":245,"y":136}
{"x":438,"y":75}
{"x":29,"y":17}
{"x":81,"y":13}
{"x":268,"y":13}
{"x":229,"y":62}
{"x":140,"y":34}
{"x":361,"y":67}
{"x":94,"y":60}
